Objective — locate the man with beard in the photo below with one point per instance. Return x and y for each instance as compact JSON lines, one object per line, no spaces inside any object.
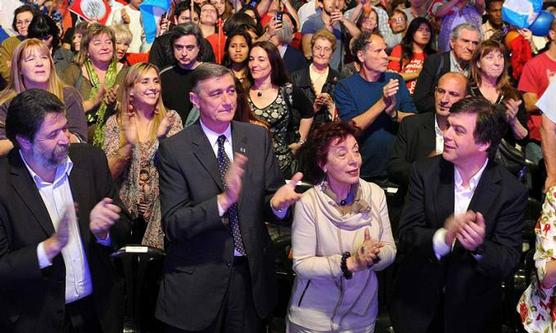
{"x":59,"y":221}
{"x":464,"y":39}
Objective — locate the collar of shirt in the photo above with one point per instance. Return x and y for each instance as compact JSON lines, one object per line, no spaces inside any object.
{"x":212,"y":136}
{"x":439,"y":137}
{"x":455,"y":65}
{"x":62,"y":170}
{"x":282,"y":49}
{"x":473,"y":182}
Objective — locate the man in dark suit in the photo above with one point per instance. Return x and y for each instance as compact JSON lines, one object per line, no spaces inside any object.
{"x":55,"y":270}
{"x":218,"y":274}
{"x":420,"y":136}
{"x":460,"y":230}
{"x":464,"y":39}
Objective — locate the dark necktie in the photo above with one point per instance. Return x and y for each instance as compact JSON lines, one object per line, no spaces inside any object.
{"x":223,"y":166}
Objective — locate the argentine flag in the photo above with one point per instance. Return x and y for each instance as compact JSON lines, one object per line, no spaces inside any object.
{"x":521,"y":13}
{"x":151,"y":11}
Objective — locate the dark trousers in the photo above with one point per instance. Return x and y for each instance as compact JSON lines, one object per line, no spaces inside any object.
{"x":81,"y":317}
{"x":237,"y":314}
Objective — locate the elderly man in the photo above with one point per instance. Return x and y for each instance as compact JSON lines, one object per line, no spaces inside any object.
{"x":375,"y":100}
{"x":464,"y":39}
{"x":219,"y":182}
{"x":460,"y":230}
{"x":421,"y":136}
{"x":59,"y":221}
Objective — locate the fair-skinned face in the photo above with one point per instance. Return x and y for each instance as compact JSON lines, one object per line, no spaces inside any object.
{"x":121,"y":48}
{"x":101,"y":49}
{"x":209,"y":14}
{"x":494,"y":14}
{"x":76,"y":41}
{"x":146,"y":90}
{"x":492,"y":65}
{"x":329,"y":6}
{"x":322,"y":52}
{"x":216,"y":99}
{"x":22,"y":21}
{"x":185,"y":17}
{"x":259,"y":64}
{"x":238,"y":50}
{"x":423,"y":35}
{"x":374,"y":58}
{"x":370,"y":23}
{"x":449,"y":91}
{"x":398,"y":23}
{"x":186,"y":51}
{"x":343,"y":163}
{"x":465,"y":44}
{"x":35,"y":69}
{"x":460,"y":146}
{"x":220,"y":6}
{"x":50,"y":145}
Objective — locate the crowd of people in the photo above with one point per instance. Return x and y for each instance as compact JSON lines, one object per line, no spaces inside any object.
{"x":194,"y":144}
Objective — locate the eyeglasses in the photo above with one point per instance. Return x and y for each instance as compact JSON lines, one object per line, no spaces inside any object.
{"x":398,"y":19}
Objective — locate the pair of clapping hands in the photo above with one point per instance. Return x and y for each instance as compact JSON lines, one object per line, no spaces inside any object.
{"x":366,"y":255}
{"x":468,"y":228}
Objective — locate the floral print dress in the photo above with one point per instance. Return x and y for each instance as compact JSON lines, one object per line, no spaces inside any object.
{"x":537,"y":305}
{"x":138,"y":183}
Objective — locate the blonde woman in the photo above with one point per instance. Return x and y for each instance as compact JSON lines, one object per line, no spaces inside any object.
{"x":32,"y":67}
{"x":96,"y":74}
{"x":131,"y":142}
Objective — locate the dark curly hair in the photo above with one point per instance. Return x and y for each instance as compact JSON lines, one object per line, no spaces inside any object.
{"x":315,"y":150}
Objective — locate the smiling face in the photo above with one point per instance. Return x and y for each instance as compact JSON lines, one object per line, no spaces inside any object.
{"x":343,"y":162}
{"x":216,"y":99}
{"x":491,"y":64}
{"x":35,"y":68}
{"x":259,"y":65}
{"x":101,"y":48}
{"x":465,"y":44}
{"x":460,"y":146}
{"x":370,"y":22}
{"x":121,"y":48}
{"x":238,"y":50}
{"x":146,"y":90}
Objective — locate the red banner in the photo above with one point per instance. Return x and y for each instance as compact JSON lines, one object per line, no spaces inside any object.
{"x":91,"y":10}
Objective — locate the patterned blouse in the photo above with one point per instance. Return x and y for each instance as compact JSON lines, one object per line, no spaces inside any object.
{"x":138,"y":183}
{"x":537,"y":306}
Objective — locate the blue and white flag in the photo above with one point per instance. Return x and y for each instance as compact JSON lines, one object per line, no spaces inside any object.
{"x":151,"y":11}
{"x":521,"y":13}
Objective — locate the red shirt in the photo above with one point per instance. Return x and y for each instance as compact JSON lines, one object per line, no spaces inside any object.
{"x":535,"y":79}
{"x":414,"y":65}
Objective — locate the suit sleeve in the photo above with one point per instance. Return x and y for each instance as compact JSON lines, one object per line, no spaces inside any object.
{"x":415,"y":234}
{"x":398,"y":167}
{"x":423,"y":96}
{"x":182,"y":219}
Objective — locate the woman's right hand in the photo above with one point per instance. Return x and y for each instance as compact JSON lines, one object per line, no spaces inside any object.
{"x":366,"y":255}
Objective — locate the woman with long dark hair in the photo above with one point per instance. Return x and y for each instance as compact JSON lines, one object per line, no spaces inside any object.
{"x":274,"y":99}
{"x":407,"y":58}
{"x":236,"y":55}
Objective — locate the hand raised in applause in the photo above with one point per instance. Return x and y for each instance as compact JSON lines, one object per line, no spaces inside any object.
{"x":286,"y":195}
{"x":472,"y":234}
{"x":55,"y":243}
{"x":389,"y":92}
{"x":233,"y":182}
{"x":165,"y":125}
{"x":366,"y":255}
{"x":102,"y":218}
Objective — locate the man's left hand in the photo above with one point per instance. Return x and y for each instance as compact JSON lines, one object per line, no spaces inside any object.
{"x":472,"y":234}
{"x":102,"y":218}
{"x":286,"y":195}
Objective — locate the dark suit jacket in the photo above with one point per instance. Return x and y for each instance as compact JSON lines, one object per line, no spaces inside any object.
{"x":200,"y":248}
{"x":415,"y":141}
{"x":470,"y":289}
{"x":31,"y":299}
{"x":434,"y":67}
{"x":293,"y":59}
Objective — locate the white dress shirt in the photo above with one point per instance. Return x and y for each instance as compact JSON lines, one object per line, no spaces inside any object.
{"x":439,"y":138}
{"x":56,"y":196}
{"x":462,"y":198}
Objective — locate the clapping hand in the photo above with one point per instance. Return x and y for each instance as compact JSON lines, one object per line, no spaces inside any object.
{"x":102,"y":218}
{"x":286,"y":195}
{"x":366,"y":255}
{"x":512,"y":107}
{"x":389,"y":92}
{"x":165,"y":125}
{"x":55,"y":243}
{"x":233,"y":182}
{"x":472,"y":234}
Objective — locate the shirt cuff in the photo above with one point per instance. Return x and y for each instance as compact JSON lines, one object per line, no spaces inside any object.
{"x":105,"y":242}
{"x":279,"y":213}
{"x":221,"y":210}
{"x":43,"y":258}
{"x":439,"y":243}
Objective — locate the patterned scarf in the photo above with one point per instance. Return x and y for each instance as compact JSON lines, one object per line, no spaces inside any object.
{"x":97,"y":117}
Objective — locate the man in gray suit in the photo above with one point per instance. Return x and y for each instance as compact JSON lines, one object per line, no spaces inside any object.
{"x":219,"y":182}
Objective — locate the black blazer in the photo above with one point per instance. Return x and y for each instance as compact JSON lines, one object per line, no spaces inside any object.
{"x":434,"y":67}
{"x":200,"y":248}
{"x":293,"y":59}
{"x":31,"y":299}
{"x":416,"y":140}
{"x":469,"y":289}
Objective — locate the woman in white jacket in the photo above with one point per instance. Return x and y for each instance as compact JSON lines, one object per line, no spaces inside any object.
{"x":341,"y":236}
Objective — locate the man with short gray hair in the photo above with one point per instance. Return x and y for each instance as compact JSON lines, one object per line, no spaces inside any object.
{"x":464,"y":39}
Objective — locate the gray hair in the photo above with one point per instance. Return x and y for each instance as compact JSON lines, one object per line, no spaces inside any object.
{"x":465,"y":26}
{"x":207,"y":71}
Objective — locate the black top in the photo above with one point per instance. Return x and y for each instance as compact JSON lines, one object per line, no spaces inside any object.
{"x":176,"y":85}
